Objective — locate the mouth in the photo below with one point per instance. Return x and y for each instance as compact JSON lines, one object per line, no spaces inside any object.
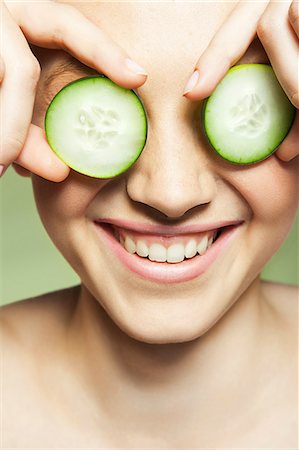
{"x":170,"y":249}
{"x":172,"y":257}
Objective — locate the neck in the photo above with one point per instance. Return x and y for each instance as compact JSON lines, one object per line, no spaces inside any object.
{"x":123,"y":372}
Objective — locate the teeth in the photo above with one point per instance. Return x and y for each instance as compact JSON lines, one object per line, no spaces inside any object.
{"x":142,"y":249}
{"x":210,"y":241}
{"x":203,"y":245}
{"x":157,"y":253}
{"x":190,"y":249}
{"x":173,"y":254}
{"x":130,"y":245}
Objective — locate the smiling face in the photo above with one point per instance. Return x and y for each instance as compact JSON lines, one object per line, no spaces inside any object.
{"x":177,"y":197}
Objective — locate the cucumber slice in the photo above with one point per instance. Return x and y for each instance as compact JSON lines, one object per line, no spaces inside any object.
{"x":248,"y":115}
{"x":96,"y":127}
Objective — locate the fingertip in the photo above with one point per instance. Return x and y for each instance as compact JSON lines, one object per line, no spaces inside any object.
{"x":59,"y":171}
{"x":128,"y":83}
{"x":198,"y":87}
{"x":126,"y":79}
{"x":51,"y":167}
{"x":295,"y":99}
{"x":289,"y":148}
{"x":198,"y":93}
{"x":135,"y":68}
{"x":129,"y":75}
{"x":287,"y":154}
{"x":37,"y":157}
{"x":21,"y":170}
{"x":192,"y":82}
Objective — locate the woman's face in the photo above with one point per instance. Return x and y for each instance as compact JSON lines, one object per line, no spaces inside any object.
{"x":178,"y":182}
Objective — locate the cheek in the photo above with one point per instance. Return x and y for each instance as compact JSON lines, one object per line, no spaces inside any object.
{"x":270,"y":189}
{"x":271,"y":192}
{"x":63,"y":209}
{"x":66,"y":202}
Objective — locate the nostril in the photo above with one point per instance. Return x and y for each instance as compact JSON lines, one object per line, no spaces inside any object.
{"x":171,"y":180}
{"x":173,"y":202}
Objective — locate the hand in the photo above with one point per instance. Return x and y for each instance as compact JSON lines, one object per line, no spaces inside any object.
{"x":276,"y":23}
{"x":54,"y":26}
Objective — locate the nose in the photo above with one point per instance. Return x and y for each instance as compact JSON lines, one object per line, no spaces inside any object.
{"x":173,"y":173}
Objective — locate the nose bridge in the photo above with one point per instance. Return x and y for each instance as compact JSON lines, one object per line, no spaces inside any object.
{"x":171,"y":145}
{"x":172,"y":174}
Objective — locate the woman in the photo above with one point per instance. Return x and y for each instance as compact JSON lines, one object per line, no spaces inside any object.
{"x":145,"y":354}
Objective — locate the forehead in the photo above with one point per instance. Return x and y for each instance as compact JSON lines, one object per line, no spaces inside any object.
{"x":159,"y":28}
{"x":165,"y":37}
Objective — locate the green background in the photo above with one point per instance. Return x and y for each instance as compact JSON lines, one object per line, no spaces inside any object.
{"x":31,"y":265}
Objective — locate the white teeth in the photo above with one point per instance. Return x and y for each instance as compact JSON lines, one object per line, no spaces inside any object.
{"x":203,"y":245}
{"x":142,"y":249}
{"x":190,"y":249}
{"x":175,"y":253}
{"x":157,"y":253}
{"x":130,"y":245}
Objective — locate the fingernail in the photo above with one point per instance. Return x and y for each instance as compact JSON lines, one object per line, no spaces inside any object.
{"x":134,"y":67}
{"x":1,"y":169}
{"x":192,"y":82}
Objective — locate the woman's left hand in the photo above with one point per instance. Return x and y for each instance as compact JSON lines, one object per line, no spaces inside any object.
{"x":276,"y":23}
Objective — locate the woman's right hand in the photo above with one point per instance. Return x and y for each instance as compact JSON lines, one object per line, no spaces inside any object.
{"x":55,"y":26}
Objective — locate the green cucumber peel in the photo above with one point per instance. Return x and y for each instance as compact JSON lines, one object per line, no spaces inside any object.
{"x":248,"y":115}
{"x":96,"y":127}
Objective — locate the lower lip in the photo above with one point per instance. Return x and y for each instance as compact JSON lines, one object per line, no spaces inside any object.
{"x":167,"y":273}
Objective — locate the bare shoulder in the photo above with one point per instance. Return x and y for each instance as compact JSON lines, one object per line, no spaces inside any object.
{"x":284,"y":299}
{"x":35,"y":318}
{"x":33,"y":360}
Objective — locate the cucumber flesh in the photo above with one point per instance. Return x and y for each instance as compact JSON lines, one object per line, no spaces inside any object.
{"x":248,"y":115}
{"x":96,"y":127}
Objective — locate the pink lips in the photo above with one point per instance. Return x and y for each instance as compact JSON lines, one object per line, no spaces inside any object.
{"x":164,"y":272}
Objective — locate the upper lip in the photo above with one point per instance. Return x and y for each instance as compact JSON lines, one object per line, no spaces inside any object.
{"x":168,"y":230}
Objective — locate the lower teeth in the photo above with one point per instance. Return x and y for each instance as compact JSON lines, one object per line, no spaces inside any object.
{"x":185,"y":259}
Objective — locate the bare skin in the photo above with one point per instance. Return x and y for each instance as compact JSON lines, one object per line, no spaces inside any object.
{"x":232,"y":388}
{"x":120,"y":362}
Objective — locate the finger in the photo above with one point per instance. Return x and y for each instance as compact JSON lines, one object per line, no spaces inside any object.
{"x":17,"y":91}
{"x":282,"y":47}
{"x":227,"y":46}
{"x":2,"y":69}
{"x":289,"y":148}
{"x":294,"y":16}
{"x":21,"y":171}
{"x":57,"y":26}
{"x":38,"y":157}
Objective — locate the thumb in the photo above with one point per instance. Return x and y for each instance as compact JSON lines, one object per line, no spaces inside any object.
{"x":38,"y":157}
{"x":289,"y":148}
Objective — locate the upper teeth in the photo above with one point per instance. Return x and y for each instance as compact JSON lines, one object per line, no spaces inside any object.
{"x":172,"y":254}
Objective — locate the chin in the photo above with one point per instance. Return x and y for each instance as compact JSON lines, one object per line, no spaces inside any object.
{"x":160,"y":328}
{"x":174,"y":335}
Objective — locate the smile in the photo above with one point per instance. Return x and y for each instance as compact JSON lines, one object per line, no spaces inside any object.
{"x":165,"y":258}
{"x":168,"y":249}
